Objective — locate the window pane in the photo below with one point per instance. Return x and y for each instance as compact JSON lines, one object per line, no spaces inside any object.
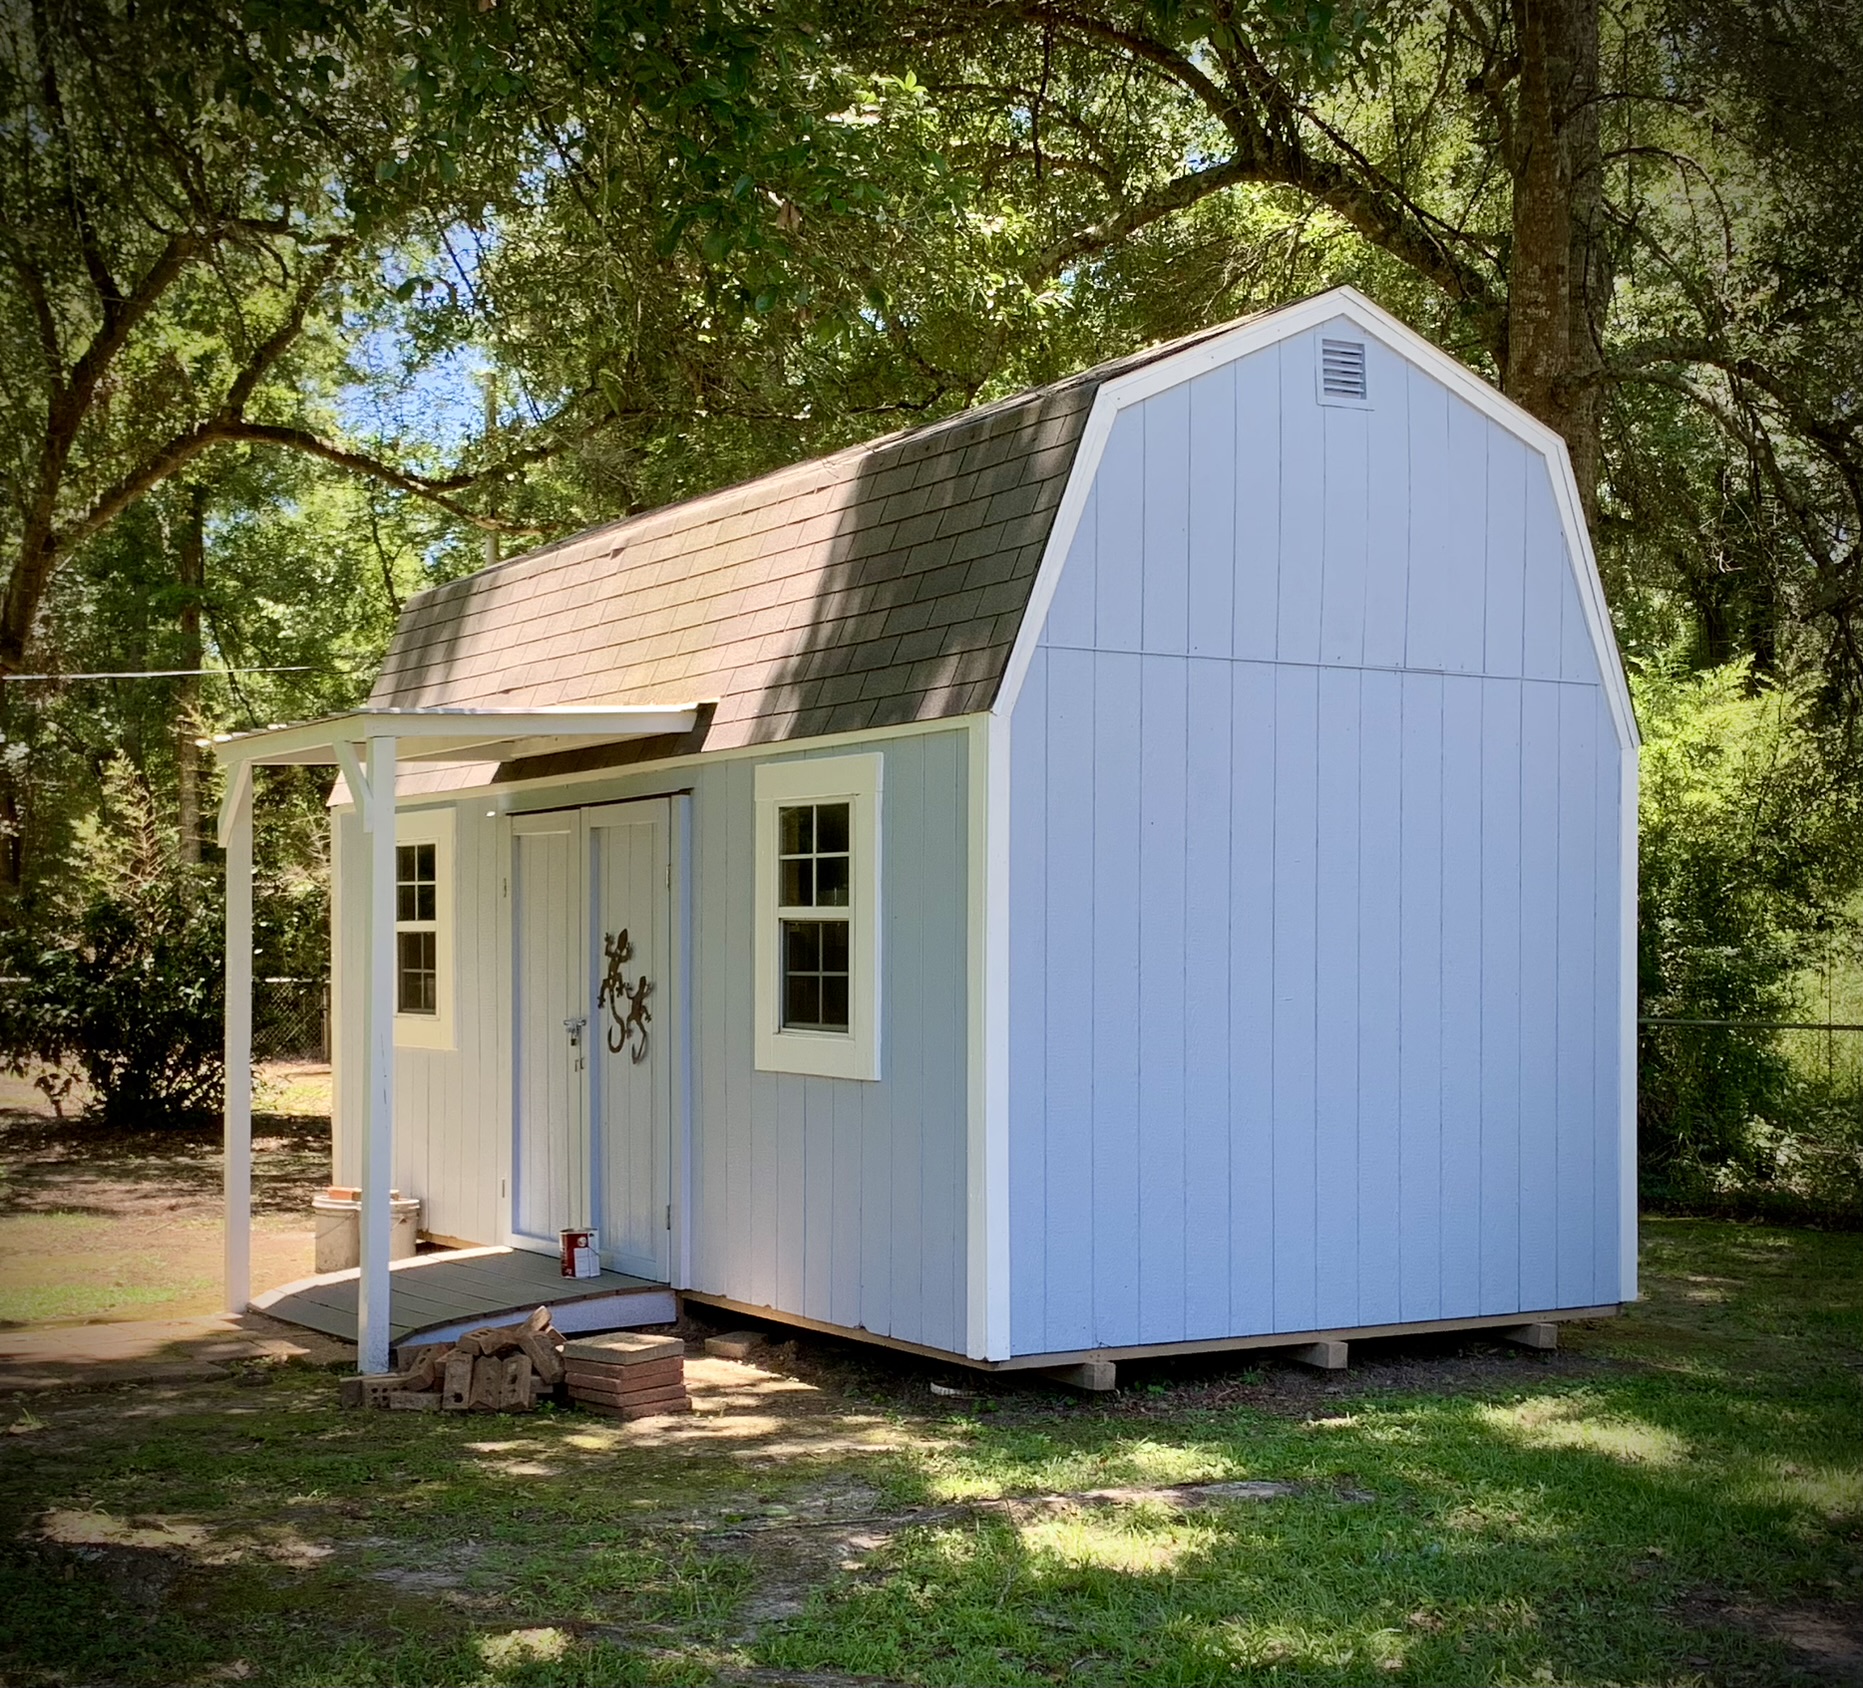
{"x":834,"y":946}
{"x":797,"y":884}
{"x":416,"y":973}
{"x":424,"y":901}
{"x":831,"y":828}
{"x":405,"y":873}
{"x":802,"y":946}
{"x":405,"y":896}
{"x":795,"y":831}
{"x":831,"y":882}
{"x":834,"y":1002}
{"x":802,"y":1000}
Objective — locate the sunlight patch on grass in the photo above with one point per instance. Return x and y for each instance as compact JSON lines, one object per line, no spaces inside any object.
{"x":1281,"y":1646}
{"x":1147,"y":1541}
{"x":1570,"y":1422}
{"x":1038,"y":1463}
{"x":523,"y":1647}
{"x":1835,"y":1491}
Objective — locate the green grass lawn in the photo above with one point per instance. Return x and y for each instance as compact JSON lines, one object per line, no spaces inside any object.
{"x":1676,"y":1499}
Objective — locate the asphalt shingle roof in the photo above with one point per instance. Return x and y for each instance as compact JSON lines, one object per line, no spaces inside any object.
{"x":879,"y":585}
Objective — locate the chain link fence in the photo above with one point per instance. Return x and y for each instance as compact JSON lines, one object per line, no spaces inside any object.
{"x":291,"y":1019}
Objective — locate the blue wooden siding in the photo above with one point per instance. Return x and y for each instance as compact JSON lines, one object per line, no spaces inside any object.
{"x":835,"y":1199}
{"x":1313,"y":881}
{"x":839,"y":1199}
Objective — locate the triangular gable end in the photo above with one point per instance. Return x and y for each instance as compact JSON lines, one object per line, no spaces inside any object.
{"x":1258,"y":333}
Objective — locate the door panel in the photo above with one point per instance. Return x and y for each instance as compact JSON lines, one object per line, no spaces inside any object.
{"x":633,"y":1038}
{"x":550,"y":1149}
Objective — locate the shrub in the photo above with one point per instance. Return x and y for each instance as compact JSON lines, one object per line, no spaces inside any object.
{"x":119,"y":978}
{"x":1749,"y":858}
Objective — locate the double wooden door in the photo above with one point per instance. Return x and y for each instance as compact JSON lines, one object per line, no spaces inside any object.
{"x":594,"y":1030}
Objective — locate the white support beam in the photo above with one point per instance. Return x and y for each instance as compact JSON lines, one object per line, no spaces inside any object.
{"x":236,"y":835}
{"x":238,"y":791}
{"x":378,"y":1148}
{"x":357,"y":781}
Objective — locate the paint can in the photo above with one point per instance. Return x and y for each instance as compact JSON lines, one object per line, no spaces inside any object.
{"x":579,"y":1258}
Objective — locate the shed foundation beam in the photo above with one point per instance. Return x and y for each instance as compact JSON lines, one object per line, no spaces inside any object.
{"x":1097,"y":1376}
{"x":1322,"y":1356}
{"x":1542,"y":1335}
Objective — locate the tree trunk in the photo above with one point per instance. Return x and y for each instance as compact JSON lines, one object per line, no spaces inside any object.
{"x":191,"y":569}
{"x":1560,"y":279}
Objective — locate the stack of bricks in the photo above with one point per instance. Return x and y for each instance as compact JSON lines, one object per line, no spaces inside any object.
{"x":627,"y":1375}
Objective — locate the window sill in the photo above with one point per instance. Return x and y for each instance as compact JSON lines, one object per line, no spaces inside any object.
{"x":817,"y":1055}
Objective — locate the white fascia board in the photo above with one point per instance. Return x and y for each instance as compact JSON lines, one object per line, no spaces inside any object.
{"x":454,"y":735}
{"x":1270,"y":329}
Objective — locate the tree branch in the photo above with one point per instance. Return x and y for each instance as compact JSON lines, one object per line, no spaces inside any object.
{"x":225,"y":428}
{"x":1176,"y":195}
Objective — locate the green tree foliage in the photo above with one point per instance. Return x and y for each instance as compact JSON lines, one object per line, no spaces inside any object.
{"x":116,"y":980}
{"x":1750,"y":838}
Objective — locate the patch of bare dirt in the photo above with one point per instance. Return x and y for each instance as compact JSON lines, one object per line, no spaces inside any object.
{"x":1825,"y":1640}
{"x":67,"y":1166}
{"x":797,"y":1551}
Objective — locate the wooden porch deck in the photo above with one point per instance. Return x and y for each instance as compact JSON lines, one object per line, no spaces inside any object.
{"x":436,"y":1297}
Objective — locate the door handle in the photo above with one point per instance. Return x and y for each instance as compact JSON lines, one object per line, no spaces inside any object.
{"x":574,"y":1026}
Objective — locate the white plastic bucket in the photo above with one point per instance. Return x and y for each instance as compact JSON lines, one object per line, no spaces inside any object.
{"x":338,"y":1220}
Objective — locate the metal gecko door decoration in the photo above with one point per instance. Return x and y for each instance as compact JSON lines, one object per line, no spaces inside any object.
{"x":626,"y":1004}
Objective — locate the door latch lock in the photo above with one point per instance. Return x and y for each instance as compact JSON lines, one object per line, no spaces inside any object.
{"x":575,"y":1027}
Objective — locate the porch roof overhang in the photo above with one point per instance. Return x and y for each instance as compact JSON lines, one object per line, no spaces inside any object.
{"x":367,"y":744}
{"x":447,"y":734}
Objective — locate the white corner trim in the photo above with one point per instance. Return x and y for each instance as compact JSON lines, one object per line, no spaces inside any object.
{"x":987,"y":1305}
{"x":855,"y":1053}
{"x":1269,"y":329}
{"x":1627,"y":1031}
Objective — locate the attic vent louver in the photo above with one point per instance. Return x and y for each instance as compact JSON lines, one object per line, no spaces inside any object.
{"x":1342,"y":371}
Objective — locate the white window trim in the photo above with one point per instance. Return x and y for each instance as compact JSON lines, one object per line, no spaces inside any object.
{"x":432,"y":1031}
{"x":854,"y":1053}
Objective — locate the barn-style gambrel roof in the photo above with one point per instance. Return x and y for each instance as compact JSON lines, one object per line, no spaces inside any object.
{"x":883,"y":584}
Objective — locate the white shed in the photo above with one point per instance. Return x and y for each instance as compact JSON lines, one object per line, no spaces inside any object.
{"x":1145,"y":866}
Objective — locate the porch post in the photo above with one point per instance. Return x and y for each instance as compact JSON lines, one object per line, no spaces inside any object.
{"x":236,"y":836}
{"x":378,"y":1154}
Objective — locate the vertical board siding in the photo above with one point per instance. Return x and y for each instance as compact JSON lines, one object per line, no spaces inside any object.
{"x":1064,"y":1234}
{"x":1296,"y":1008}
{"x":1250,"y":1243}
{"x":1113,"y":1056}
{"x":1336,"y":999}
{"x":1210,"y":520}
{"x":1163,"y":793}
{"x":1380,"y":991}
{"x":834,"y":1199}
{"x":1203,"y":1229}
{"x":1257,"y":503}
{"x":1313,"y":946}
